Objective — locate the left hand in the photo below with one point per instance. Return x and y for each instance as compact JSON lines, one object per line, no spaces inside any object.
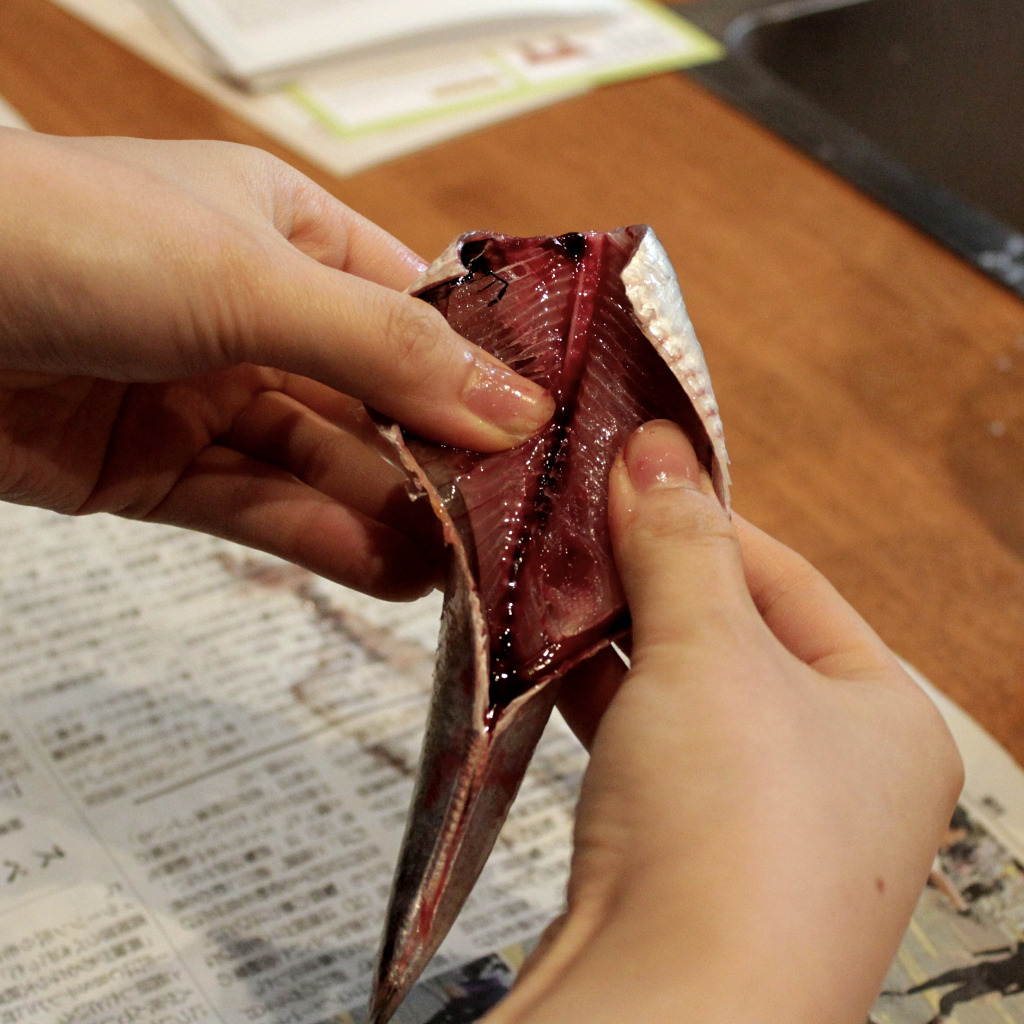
{"x":188,"y":334}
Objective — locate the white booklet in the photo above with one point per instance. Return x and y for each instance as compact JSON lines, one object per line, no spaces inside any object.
{"x":206,"y":757}
{"x":255,"y":40}
{"x":349,"y":113}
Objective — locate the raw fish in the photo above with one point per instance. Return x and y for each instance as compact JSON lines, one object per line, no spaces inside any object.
{"x":598,"y":319}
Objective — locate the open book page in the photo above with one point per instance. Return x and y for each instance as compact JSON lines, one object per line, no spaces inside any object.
{"x":206,"y":759}
{"x":348,"y":115}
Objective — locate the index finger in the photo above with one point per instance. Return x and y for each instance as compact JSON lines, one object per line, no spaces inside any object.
{"x":337,"y":236}
{"x":804,"y":610}
{"x":393,"y":352}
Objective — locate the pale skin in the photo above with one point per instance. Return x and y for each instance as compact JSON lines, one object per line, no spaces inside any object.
{"x":188,"y":334}
{"x":191,"y":333}
{"x":767,"y":786}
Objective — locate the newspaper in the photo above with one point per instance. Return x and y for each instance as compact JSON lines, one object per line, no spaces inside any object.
{"x":206,"y":759}
{"x":962,"y":958}
{"x":9,"y":117}
{"x":205,"y":763}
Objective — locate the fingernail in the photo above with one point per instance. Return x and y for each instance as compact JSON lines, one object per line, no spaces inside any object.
{"x":659,"y":455}
{"x":512,"y":403}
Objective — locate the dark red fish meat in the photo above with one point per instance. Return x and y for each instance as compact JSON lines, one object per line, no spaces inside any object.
{"x":597,"y":318}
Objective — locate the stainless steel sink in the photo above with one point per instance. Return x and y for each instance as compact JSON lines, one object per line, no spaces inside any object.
{"x":920,"y":103}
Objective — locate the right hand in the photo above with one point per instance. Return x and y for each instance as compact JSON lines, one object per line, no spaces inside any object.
{"x":767,"y":786}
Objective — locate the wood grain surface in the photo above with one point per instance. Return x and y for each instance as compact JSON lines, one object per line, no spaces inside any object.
{"x":871,"y":383}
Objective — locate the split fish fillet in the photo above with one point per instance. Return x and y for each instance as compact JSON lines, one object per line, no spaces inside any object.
{"x":598,"y":319}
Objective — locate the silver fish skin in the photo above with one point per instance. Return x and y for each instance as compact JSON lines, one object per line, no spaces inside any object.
{"x":475,"y":756}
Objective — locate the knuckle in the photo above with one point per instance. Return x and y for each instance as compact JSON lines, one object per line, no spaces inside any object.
{"x":684,"y":516}
{"x":797,"y":578}
{"x":415,"y":334}
{"x":420,"y":360}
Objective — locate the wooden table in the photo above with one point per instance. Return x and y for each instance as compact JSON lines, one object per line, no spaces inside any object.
{"x":872,"y":384}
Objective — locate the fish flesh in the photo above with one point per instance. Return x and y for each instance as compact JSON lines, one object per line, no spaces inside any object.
{"x":597,"y":318}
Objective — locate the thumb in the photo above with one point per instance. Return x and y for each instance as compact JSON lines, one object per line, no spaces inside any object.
{"x":675,"y":548}
{"x":393,"y":352}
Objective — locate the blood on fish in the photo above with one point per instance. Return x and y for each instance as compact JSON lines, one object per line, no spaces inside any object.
{"x":560,"y":317}
{"x":596,"y":319}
